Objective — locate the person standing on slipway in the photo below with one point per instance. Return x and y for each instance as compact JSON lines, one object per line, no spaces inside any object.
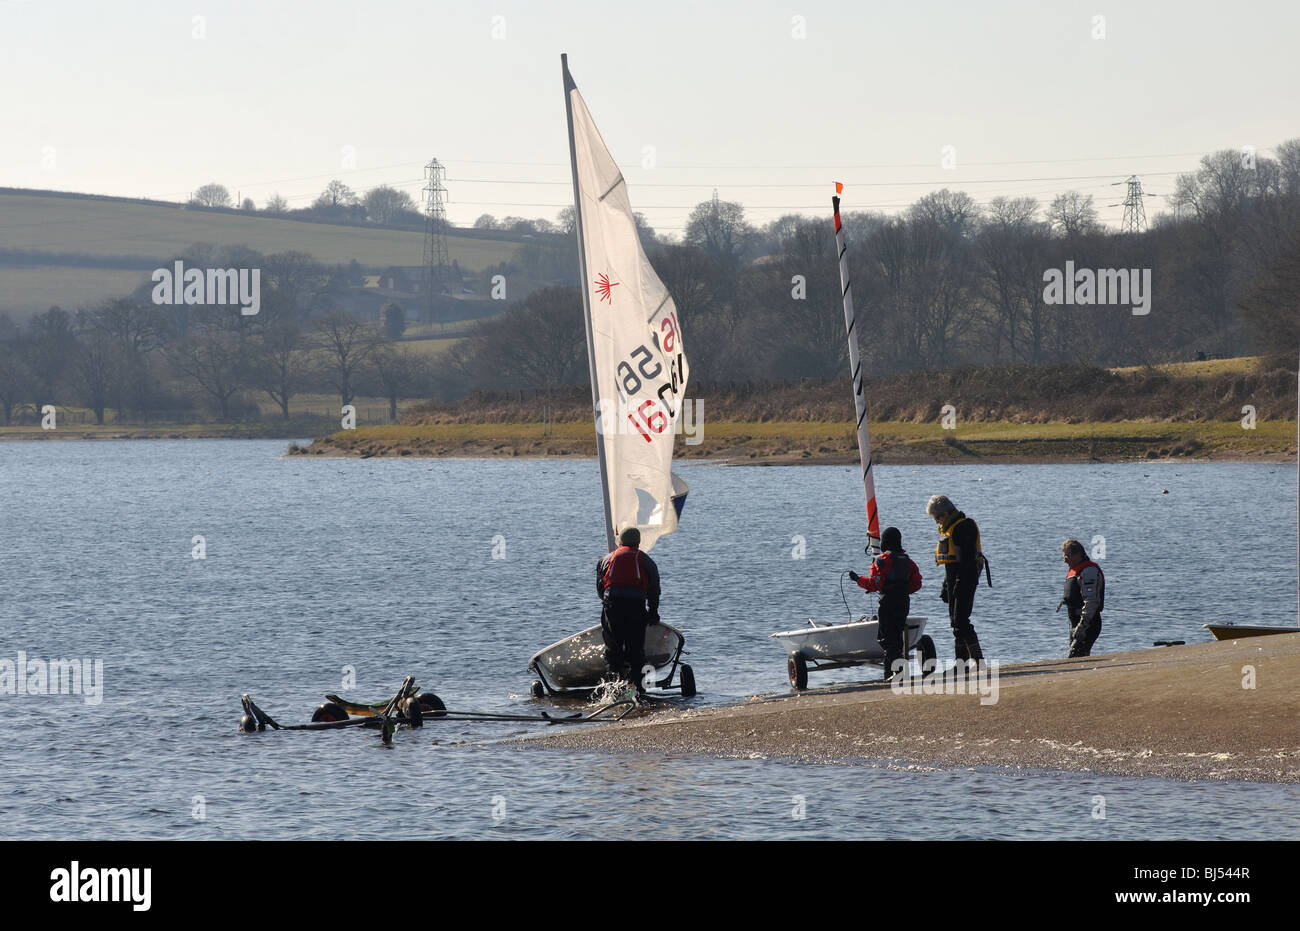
{"x":627,"y":581}
{"x":1085,"y":595}
{"x":895,"y":576}
{"x":960,"y":553}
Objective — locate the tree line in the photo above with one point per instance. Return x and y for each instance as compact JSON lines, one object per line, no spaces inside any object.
{"x":946,"y":283}
{"x":140,"y":359}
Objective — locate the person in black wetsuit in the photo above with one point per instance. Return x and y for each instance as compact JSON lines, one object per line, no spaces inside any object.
{"x":1085,"y":596}
{"x":627,"y":581}
{"x":896,"y":578}
{"x":961,"y":555}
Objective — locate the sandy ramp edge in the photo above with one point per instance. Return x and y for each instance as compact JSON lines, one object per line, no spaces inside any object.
{"x":1210,"y":711}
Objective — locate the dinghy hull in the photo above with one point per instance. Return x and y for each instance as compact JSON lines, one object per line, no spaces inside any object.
{"x":1237,"y":631}
{"x":845,"y":643}
{"x":578,"y":662}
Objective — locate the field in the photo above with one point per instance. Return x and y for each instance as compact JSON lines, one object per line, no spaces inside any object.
{"x":1241,"y":365}
{"x":39,"y":287}
{"x":70,"y":227}
{"x":433,"y":347}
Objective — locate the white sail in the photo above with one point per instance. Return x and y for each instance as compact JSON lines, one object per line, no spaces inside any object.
{"x":859,"y":393}
{"x":634,"y":342}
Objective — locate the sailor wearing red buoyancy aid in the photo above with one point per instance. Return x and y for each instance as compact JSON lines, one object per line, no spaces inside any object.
{"x":896,"y":578}
{"x":627,"y":581}
{"x":1085,"y":596}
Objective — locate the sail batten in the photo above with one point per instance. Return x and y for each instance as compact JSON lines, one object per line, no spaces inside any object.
{"x":634,"y":341}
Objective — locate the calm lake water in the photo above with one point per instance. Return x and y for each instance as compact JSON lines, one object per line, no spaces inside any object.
{"x":387,"y":566}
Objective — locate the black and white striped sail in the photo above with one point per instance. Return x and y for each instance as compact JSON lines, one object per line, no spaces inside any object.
{"x":634,"y":341}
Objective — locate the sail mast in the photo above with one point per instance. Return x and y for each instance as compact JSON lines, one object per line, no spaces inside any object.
{"x":569,"y":87}
{"x":859,"y":395}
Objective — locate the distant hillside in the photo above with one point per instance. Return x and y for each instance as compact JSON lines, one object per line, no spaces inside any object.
{"x":70,"y":249}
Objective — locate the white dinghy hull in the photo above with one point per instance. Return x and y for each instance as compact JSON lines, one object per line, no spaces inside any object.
{"x":845,"y":643}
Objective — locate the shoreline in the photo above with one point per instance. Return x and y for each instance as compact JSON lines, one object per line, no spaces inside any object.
{"x":825,"y":443}
{"x":1170,"y":712}
{"x":748,"y":443}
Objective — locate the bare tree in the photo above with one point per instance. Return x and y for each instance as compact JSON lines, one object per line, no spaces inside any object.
{"x":95,"y":364}
{"x":280,"y":362}
{"x":50,"y":348}
{"x":345,"y":343}
{"x":213,"y":356}
{"x":212,"y":195}
{"x":719,"y":228}
{"x":277,"y":204}
{"x":398,"y":372}
{"x":1011,"y":268}
{"x":384,"y":204}
{"x":136,"y":331}
{"x":538,"y":343}
{"x":16,"y":380}
{"x":336,"y":194}
{"x":293,"y":285}
{"x":955,"y":213}
{"x":1072,"y":215}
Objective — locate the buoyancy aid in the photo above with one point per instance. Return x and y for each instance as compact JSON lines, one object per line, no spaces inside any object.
{"x":626,"y":570}
{"x":895,"y":570}
{"x":945,"y":552}
{"x":1075,"y":582}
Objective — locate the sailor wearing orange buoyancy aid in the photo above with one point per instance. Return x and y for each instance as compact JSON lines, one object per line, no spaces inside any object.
{"x":896,"y":578}
{"x":627,"y":581}
{"x":1085,"y":596}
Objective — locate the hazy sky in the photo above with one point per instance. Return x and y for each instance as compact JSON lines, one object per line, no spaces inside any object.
{"x":156,"y":98}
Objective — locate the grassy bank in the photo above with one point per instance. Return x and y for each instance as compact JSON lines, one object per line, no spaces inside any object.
{"x":816,"y":441}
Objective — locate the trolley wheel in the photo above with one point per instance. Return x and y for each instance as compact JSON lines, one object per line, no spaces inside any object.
{"x":537,"y":690}
{"x":929,"y":655}
{"x":687,"y":677}
{"x":329,"y":711}
{"x":797,"y":667}
{"x":432,"y":705}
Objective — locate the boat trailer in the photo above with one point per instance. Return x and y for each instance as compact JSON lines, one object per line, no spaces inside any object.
{"x":411,"y":708}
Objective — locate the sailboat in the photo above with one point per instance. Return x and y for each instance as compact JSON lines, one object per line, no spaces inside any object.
{"x":828,"y":645}
{"x":638,"y":384}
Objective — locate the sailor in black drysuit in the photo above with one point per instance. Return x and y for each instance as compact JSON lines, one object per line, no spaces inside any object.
{"x":1085,"y":596}
{"x":627,"y":581}
{"x":896,"y":577}
{"x":961,"y":555}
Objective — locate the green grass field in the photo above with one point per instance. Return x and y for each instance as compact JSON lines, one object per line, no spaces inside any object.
{"x":433,"y":348}
{"x":37,"y":288}
{"x":78,"y":226}
{"x":1240,"y":365}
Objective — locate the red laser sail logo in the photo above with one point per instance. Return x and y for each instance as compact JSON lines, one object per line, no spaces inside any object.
{"x":604,"y":287}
